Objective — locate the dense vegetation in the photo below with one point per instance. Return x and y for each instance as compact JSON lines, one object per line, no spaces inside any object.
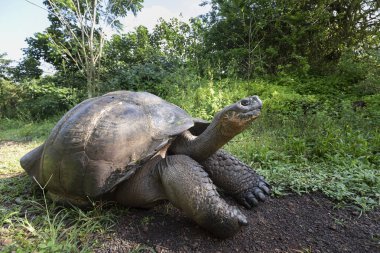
{"x":315,"y":64}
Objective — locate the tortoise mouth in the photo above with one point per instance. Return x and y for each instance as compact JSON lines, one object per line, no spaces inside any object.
{"x":250,"y":114}
{"x":242,"y":112}
{"x":243,"y":117}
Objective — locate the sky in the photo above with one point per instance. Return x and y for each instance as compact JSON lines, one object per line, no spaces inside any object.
{"x":20,"y":19}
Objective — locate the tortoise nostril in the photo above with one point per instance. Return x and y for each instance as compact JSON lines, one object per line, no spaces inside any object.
{"x":258,"y":101}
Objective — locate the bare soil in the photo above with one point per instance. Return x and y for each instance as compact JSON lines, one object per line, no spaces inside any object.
{"x":307,"y":223}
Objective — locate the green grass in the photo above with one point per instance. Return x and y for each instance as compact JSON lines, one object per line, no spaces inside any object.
{"x":337,"y":157}
{"x":326,"y":147}
{"x":18,"y":130}
{"x":28,"y":221}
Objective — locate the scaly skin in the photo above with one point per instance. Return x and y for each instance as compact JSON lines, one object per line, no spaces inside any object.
{"x":187,"y":186}
{"x":236,"y":178}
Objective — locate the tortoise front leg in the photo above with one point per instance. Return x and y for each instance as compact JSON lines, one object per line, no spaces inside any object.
{"x":183,"y":182}
{"x":236,"y":178}
{"x":189,"y":188}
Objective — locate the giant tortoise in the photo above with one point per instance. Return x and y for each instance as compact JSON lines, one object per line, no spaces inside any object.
{"x":139,"y":150}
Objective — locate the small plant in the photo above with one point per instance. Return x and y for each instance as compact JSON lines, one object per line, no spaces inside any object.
{"x":339,"y":221}
{"x":146,"y":220}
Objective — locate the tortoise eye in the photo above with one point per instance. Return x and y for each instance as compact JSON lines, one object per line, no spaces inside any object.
{"x":245,"y":102}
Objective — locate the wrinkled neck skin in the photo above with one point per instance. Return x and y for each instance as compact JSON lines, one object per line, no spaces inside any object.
{"x":218,"y":133}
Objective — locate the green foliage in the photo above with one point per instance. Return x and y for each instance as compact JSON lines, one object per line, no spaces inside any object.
{"x":286,"y":36}
{"x":44,"y":101}
{"x":143,"y":60}
{"x":236,"y":39}
{"x":9,"y":98}
{"x":4,"y":66}
{"x":35,"y":100}
{"x":27,"y":69}
{"x":140,"y":77}
{"x":75,"y":39}
{"x":302,"y":142}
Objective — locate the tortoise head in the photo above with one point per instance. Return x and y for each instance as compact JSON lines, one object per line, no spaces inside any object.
{"x":238,"y":116}
{"x":227,"y":123}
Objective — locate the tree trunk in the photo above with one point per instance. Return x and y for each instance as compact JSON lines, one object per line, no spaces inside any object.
{"x":91,"y":81}
{"x":89,"y":86}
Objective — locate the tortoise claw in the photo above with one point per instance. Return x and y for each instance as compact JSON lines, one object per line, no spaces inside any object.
{"x":244,"y":202}
{"x":251,"y":197}
{"x":242,"y":220}
{"x":265,"y":189}
{"x":259,"y":194}
{"x":263,"y":185}
{"x":252,"y":200}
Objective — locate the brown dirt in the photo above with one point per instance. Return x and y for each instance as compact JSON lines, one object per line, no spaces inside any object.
{"x":307,"y":223}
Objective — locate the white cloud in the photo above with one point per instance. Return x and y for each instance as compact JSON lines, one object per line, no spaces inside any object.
{"x":150,"y":14}
{"x":191,"y":8}
{"x":147,"y":17}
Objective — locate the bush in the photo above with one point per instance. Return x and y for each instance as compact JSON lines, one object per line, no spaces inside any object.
{"x":35,"y":100}
{"x":9,"y":98}
{"x":147,"y":76}
{"x":44,"y":101}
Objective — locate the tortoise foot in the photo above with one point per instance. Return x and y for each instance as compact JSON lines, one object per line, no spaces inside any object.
{"x":257,"y":192}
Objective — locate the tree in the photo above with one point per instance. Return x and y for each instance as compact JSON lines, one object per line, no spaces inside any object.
{"x":171,"y":37}
{"x":4,"y":66}
{"x":269,"y":36}
{"x":27,"y":69}
{"x":77,"y":34}
{"x":143,"y":60}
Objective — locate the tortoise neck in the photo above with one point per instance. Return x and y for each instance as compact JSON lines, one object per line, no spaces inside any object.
{"x":209,"y":142}
{"x":203,"y":146}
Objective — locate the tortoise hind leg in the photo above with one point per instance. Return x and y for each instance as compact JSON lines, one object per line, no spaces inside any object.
{"x":183,"y":182}
{"x":236,"y":178}
{"x":31,"y":161}
{"x":143,"y":189}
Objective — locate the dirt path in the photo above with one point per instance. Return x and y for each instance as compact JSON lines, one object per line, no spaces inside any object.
{"x":307,"y":223}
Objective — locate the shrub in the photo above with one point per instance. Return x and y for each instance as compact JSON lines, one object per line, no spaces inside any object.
{"x":139,"y":77}
{"x":35,"y":100}
{"x":9,"y":98}
{"x":44,"y":101}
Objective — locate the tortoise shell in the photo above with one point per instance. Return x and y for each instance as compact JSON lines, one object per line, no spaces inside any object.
{"x":102,"y":141}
